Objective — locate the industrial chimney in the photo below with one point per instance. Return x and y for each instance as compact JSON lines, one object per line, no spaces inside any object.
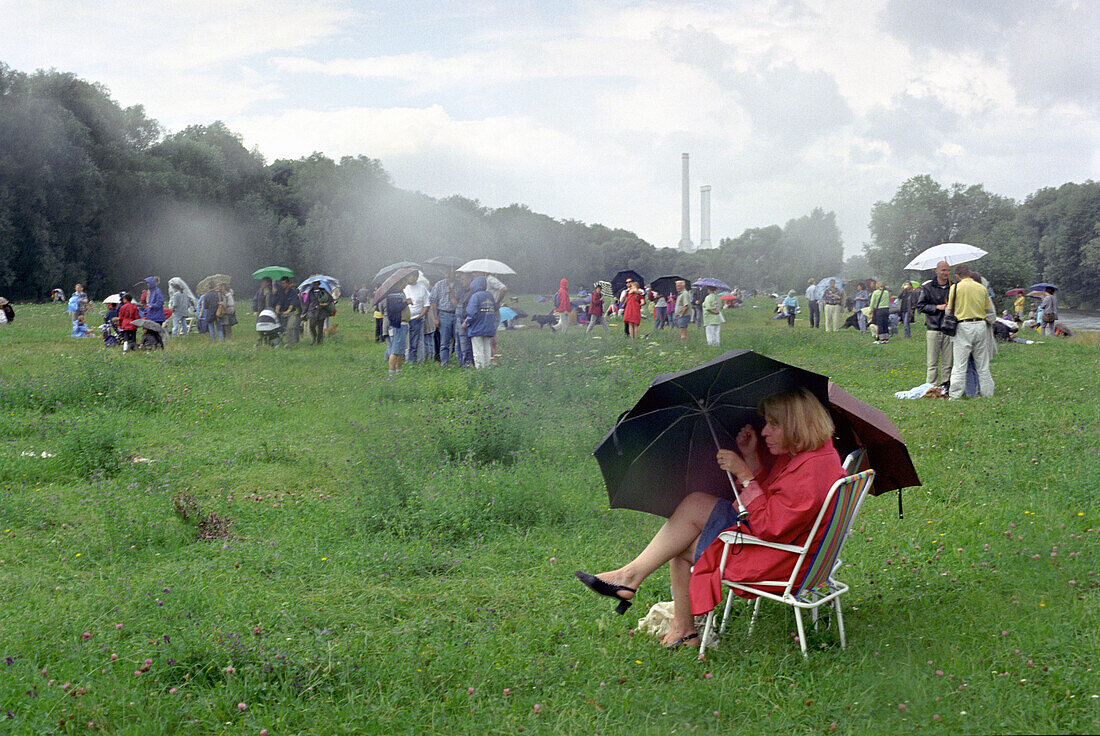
{"x":704,"y":217}
{"x":685,"y":211}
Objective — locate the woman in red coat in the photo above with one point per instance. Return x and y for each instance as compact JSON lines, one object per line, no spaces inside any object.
{"x":784,"y":489}
{"x":632,"y":307}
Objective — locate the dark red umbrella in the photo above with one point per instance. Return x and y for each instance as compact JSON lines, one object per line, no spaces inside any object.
{"x":391,"y":281}
{"x":861,"y":425}
{"x":1014,"y":292}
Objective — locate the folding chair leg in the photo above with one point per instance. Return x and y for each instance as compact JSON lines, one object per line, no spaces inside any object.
{"x":706,"y":634}
{"x":755,"y":613}
{"x":801,"y":631}
{"x":840,"y":622}
{"x":726,"y":612}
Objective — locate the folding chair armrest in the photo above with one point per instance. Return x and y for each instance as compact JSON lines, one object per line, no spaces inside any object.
{"x":739,"y":538}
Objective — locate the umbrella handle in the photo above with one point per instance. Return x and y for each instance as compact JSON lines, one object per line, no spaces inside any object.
{"x":742,"y":512}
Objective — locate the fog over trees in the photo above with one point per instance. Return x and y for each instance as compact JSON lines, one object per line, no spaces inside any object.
{"x":95,"y":193}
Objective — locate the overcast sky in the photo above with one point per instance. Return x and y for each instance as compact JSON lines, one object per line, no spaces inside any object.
{"x":581,"y":110}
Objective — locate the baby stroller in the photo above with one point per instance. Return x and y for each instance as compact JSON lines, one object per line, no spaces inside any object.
{"x":111,"y":335}
{"x":269,"y":329}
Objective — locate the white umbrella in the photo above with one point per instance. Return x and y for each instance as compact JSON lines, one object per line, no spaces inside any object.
{"x":112,"y":299}
{"x":953,"y":253}
{"x":485,"y":265}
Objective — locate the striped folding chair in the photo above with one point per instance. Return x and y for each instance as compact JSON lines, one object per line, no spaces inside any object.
{"x":812,"y":583}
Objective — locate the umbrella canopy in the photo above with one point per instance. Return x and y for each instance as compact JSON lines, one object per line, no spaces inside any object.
{"x":1037,"y":294}
{"x":384,"y":272}
{"x":112,"y":299}
{"x":149,"y":324}
{"x":389,"y":284}
{"x":823,"y":284}
{"x":618,"y":281}
{"x":727,"y":297}
{"x":486,"y":265}
{"x":663,"y":449}
{"x":862,"y":425}
{"x":605,"y":290}
{"x":212,"y":282}
{"x":664,"y":285}
{"x":1014,"y":292}
{"x":182,"y":286}
{"x":716,"y":283}
{"x":272,"y":272}
{"x":328,"y":283}
{"x":953,"y":253}
{"x":446,"y":262}
{"x":1043,"y":286}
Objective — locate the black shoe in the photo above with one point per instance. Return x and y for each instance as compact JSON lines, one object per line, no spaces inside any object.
{"x":608,"y":589}
{"x":682,"y":641}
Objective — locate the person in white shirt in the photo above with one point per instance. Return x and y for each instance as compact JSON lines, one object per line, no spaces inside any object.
{"x":417,"y":295}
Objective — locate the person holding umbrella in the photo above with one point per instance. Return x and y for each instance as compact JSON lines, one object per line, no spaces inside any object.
{"x":783,"y":490}
{"x":1049,"y":307}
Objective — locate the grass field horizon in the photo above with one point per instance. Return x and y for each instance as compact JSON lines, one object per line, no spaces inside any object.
{"x":221,"y":538}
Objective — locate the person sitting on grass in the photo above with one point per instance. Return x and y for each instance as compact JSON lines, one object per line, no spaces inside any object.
{"x":784,"y":489}
{"x":80,"y":328}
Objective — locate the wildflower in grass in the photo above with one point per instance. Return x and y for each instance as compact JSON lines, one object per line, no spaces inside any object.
{"x":536,"y":708}
{"x":172,"y":691}
{"x":507,"y":691}
{"x":469,"y":691}
{"x":229,"y":670}
{"x":242,"y":707}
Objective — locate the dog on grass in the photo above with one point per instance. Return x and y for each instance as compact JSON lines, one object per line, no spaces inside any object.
{"x":543,"y":319}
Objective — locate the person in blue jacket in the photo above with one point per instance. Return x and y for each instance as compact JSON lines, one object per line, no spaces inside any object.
{"x":481,"y":322}
{"x":154,"y":307}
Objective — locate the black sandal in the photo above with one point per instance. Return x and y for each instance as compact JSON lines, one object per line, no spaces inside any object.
{"x":608,"y":589}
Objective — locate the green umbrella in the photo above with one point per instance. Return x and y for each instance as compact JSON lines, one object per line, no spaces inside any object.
{"x":273,"y":272}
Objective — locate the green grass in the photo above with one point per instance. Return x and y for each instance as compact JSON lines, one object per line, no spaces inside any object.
{"x":363,"y":551}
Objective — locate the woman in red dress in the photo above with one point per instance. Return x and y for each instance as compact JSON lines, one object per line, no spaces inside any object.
{"x":784,"y":489}
{"x":632,"y":308}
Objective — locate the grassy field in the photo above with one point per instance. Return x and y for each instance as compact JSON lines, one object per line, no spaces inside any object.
{"x":224,"y":539}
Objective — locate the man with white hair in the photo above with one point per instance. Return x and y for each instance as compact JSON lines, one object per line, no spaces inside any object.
{"x":933,"y":302}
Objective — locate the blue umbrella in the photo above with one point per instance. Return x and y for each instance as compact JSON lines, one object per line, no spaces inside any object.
{"x":716,"y":283}
{"x":327,"y":283}
{"x":823,"y":284}
{"x":1042,"y":287}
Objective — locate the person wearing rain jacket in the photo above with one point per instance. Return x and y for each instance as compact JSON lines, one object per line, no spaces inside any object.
{"x":179,"y":303}
{"x":481,"y":322}
{"x":562,"y":307}
{"x":154,"y":305}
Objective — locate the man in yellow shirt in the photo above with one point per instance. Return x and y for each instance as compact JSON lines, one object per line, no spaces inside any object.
{"x":971,"y":305}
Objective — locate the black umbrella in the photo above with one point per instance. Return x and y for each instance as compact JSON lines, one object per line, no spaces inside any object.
{"x":666,"y":285}
{"x":862,"y":425}
{"x":384,"y":272}
{"x":618,"y":281}
{"x":664,"y":448}
{"x":149,"y":324}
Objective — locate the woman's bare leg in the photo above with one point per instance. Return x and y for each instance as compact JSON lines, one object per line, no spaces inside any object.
{"x":683,"y":623}
{"x":677,"y":537}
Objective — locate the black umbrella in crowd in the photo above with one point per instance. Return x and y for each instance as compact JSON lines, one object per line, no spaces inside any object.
{"x":618,"y":281}
{"x":664,"y":448}
{"x":666,"y":285}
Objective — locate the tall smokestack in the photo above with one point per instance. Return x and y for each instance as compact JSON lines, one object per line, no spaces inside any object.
{"x":685,"y":211}
{"x":704,"y":217}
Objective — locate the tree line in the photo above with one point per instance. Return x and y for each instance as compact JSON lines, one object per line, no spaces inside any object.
{"x":94,"y":193}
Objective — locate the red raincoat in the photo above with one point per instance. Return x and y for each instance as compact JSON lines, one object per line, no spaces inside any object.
{"x":794,"y":490}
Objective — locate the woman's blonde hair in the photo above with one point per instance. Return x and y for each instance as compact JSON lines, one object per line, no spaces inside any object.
{"x":805,"y":422}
